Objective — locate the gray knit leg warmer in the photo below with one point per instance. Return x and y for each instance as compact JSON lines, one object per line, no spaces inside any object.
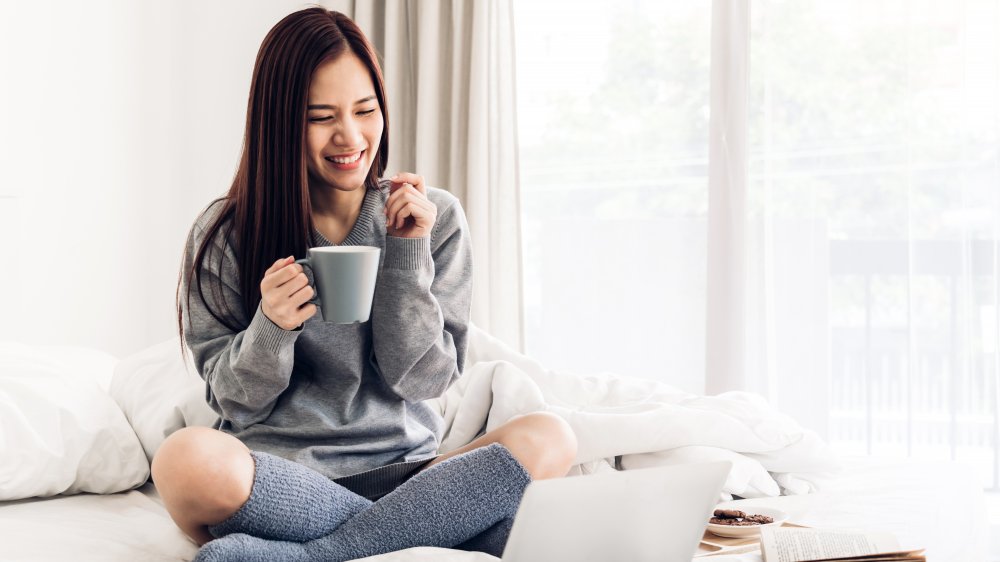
{"x":290,"y":502}
{"x":492,"y":540}
{"x":444,"y":505}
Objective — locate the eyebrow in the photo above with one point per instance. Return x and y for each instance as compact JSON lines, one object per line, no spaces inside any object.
{"x":327,"y":106}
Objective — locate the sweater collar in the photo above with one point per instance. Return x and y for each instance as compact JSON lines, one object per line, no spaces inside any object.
{"x":358,"y":235}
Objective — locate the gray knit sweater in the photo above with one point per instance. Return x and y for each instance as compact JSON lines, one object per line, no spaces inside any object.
{"x":341,"y":398}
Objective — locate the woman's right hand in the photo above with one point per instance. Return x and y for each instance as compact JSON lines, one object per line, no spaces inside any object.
{"x":283,"y":291}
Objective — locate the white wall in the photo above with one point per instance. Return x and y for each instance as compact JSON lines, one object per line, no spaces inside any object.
{"x":119,"y":121}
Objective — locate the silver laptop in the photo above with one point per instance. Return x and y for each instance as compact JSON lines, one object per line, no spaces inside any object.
{"x":636,"y":515}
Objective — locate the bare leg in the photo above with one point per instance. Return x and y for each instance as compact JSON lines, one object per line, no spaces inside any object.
{"x":203,"y":476}
{"x":541,"y":441}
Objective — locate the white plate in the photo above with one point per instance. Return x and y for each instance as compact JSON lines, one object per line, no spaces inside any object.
{"x":739,"y":532}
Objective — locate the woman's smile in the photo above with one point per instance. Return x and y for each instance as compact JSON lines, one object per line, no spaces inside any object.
{"x":346,"y":162}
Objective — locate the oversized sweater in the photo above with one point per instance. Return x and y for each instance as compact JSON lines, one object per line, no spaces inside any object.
{"x":340,"y":398}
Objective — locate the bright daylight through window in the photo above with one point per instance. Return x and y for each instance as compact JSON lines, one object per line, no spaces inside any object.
{"x":872,"y":219}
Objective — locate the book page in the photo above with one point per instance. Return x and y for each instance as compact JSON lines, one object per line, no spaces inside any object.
{"x":797,"y":545}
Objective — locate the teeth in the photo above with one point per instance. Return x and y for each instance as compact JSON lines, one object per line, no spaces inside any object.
{"x":345,"y":160}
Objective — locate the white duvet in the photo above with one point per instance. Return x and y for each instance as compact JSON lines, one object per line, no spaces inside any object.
{"x":630,"y":422}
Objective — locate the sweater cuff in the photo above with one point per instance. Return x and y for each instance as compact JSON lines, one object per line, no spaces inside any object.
{"x":265,"y":333}
{"x":408,"y":253}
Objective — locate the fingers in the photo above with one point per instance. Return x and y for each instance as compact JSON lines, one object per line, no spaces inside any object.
{"x":278,"y":270}
{"x":279,"y":264}
{"x":284,"y":290}
{"x":408,"y":203}
{"x":306,"y":312}
{"x":402,"y":178}
{"x":423,"y":214}
{"x":302,"y":296}
{"x":292,"y":309}
{"x":408,"y":211}
{"x":289,"y":315}
{"x":281,"y":276}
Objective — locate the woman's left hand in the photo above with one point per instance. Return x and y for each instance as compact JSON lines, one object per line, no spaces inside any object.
{"x":408,"y":211}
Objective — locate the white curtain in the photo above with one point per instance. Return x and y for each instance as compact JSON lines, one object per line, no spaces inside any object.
{"x":726,"y":295}
{"x":449,"y":73}
{"x":766,"y":299}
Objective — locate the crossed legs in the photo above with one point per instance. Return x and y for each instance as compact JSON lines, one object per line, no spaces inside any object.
{"x":204,"y":476}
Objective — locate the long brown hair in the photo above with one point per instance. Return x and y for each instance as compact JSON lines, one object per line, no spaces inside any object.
{"x":268,"y":201}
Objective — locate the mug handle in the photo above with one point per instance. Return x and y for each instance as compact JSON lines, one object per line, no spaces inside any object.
{"x":306,"y":262}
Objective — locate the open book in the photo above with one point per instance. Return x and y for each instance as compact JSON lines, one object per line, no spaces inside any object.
{"x":802,"y":545}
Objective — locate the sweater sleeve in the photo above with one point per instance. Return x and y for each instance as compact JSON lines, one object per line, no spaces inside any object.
{"x":422,"y":306}
{"x":246,"y":371}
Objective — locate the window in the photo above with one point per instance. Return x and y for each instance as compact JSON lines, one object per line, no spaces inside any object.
{"x":874,"y":135}
{"x":872,"y":211}
{"x":613,"y":125}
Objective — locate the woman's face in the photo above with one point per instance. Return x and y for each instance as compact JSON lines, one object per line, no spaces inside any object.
{"x":343,"y":124}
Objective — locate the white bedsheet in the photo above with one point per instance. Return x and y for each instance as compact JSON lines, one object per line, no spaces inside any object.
{"x":929,"y":504}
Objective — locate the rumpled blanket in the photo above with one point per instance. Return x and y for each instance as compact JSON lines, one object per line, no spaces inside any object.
{"x":623,"y":422}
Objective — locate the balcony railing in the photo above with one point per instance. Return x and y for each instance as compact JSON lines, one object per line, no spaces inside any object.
{"x":907,"y":386}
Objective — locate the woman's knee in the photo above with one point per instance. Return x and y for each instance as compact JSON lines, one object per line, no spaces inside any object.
{"x":543,"y":442}
{"x":202,"y":474}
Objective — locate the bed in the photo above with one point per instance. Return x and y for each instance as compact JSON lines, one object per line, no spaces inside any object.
{"x":79,"y":427}
{"x":927,"y":504}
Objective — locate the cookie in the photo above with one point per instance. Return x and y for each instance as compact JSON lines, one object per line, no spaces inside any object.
{"x":738,"y":518}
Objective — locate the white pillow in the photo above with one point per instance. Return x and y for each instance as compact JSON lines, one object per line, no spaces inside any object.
{"x":87,"y":362}
{"x":159,"y":396}
{"x":60,"y":433}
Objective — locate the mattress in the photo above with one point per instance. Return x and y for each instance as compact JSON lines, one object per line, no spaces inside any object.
{"x":934,"y":505}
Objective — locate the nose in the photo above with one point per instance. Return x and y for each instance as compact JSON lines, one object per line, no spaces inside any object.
{"x":348,"y":133}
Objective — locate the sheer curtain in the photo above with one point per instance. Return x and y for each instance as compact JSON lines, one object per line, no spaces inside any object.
{"x":873,"y":222}
{"x":448,"y":67}
{"x":796,"y":198}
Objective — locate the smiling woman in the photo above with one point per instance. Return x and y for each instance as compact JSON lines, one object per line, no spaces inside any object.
{"x":326,"y":446}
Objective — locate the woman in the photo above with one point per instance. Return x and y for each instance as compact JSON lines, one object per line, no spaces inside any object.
{"x":318,"y":420}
